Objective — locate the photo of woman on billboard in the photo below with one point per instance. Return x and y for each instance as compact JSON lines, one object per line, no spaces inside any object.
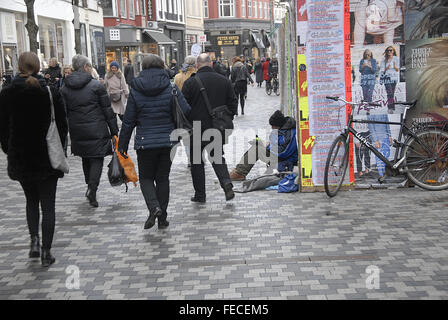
{"x":368,"y":69}
{"x":389,"y":75}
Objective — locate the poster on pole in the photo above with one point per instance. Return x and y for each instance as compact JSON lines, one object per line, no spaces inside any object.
{"x":196,"y":50}
{"x":326,"y":75}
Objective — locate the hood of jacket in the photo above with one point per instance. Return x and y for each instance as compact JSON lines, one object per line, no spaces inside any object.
{"x":151,"y":82}
{"x":289,"y":124}
{"x":78,"y":79}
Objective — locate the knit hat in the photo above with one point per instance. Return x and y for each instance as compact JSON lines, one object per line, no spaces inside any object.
{"x":277,"y":119}
{"x":114,"y":64}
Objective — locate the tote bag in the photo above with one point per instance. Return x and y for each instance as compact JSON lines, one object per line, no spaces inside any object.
{"x":56,"y":153}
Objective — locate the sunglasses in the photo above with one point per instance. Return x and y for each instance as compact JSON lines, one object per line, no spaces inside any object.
{"x":389,"y":50}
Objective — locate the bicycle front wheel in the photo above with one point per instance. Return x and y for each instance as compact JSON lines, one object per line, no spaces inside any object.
{"x":426,"y":160}
{"x":336,"y":166}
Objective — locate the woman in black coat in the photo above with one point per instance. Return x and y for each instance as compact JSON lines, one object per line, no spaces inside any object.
{"x":92,"y":122}
{"x":258,"y":72}
{"x":25,"y":116}
{"x":149,"y":111}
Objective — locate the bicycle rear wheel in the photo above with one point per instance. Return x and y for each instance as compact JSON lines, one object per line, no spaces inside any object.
{"x":427,"y":159}
{"x":336,"y":166}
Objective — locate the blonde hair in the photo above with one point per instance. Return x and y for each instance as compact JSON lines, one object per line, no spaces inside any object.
{"x":433,"y":82}
{"x":29,"y":64}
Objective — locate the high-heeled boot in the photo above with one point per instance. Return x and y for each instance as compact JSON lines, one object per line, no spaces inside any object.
{"x":91,"y":195}
{"x":46,"y":258}
{"x":34,"y":247}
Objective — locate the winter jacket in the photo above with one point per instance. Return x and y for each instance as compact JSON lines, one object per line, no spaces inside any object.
{"x":181,"y":77}
{"x":265,"y":68}
{"x":220,"y":68}
{"x":54,"y":72}
{"x":129,"y":73}
{"x":283,"y":143}
{"x":149,"y":109}
{"x":240,"y":73}
{"x":116,"y":83}
{"x":25,"y":116}
{"x":259,"y":72}
{"x":91,"y":120}
{"x":219,"y":91}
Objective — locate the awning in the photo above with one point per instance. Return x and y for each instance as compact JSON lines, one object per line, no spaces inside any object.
{"x":159,"y":37}
{"x":258,"y":39}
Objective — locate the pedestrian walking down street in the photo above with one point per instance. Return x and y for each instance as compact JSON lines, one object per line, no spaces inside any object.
{"x":220,"y":92}
{"x":188,"y":68}
{"x":265,"y":69}
{"x":129,"y":72}
{"x":149,"y":110}
{"x":117,"y":89}
{"x":239,"y":77}
{"x":66,"y":70}
{"x":92,"y":122}
{"x":25,"y":116}
{"x":53,"y":72}
{"x":258,"y":72}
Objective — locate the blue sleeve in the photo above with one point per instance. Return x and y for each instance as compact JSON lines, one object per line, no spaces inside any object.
{"x":291,"y":150}
{"x":374,"y":66}
{"x":129,"y":123}
{"x":360,"y":65}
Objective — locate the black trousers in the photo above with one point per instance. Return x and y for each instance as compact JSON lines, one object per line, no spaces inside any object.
{"x":241,"y":92}
{"x":198,"y":171}
{"x":154,"y":167}
{"x":92,"y":167}
{"x":41,"y":193}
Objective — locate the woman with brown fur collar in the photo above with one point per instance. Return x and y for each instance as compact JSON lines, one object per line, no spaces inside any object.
{"x":116,"y":88}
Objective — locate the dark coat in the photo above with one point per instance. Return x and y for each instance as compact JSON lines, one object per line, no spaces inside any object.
{"x":129,"y":73}
{"x":219,"y":90}
{"x":25,"y":116}
{"x":91,"y":119}
{"x":240,"y":73}
{"x":149,"y":109}
{"x":258,"y":72}
{"x":54,"y":72}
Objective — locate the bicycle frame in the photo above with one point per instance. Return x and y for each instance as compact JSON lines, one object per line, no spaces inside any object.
{"x":404,"y":130}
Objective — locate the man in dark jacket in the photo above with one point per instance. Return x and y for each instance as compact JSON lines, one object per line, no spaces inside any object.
{"x":220,"y":92}
{"x":92,"y":122}
{"x":239,"y":77}
{"x":281,"y":151}
{"x":129,"y":72}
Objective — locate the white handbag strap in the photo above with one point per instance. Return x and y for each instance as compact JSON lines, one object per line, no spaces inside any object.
{"x":51,"y":104}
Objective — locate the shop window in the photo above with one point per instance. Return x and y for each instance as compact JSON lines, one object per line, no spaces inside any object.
{"x":243,"y":8}
{"x":83,"y":37}
{"x":51,"y":37}
{"x":249,"y":8}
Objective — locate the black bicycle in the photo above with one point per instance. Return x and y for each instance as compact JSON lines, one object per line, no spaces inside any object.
{"x":423,"y":156}
{"x":272,"y":85}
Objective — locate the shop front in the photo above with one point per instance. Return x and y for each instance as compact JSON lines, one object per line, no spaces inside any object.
{"x":121,"y":43}
{"x":13,"y":41}
{"x":157,"y":42}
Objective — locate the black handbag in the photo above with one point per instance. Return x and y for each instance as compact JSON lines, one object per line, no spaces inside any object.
{"x":116,"y":173}
{"x":222,"y":117}
{"x":179,"y":118}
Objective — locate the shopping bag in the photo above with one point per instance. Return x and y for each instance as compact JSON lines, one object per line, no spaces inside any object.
{"x":127,"y":165}
{"x":116,"y":172}
{"x":287,"y":184}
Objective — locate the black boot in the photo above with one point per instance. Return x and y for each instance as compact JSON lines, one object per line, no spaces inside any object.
{"x":153,"y":214}
{"x":228,"y":190}
{"x":162,"y":223}
{"x":91,"y":195}
{"x":34,"y":247}
{"x":46,"y":258}
{"x":198,"y":199}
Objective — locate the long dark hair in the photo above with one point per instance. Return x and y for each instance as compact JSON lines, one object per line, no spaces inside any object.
{"x":29,"y":64}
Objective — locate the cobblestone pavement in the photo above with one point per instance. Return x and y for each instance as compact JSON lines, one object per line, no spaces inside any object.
{"x":261,"y":245}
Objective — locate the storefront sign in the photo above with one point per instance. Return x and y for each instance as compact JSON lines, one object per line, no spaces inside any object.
{"x":202,"y":38}
{"x":228,"y":40}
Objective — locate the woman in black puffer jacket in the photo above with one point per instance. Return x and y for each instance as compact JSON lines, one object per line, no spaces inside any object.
{"x":25,"y":116}
{"x":149,"y":109}
{"x":92,"y":122}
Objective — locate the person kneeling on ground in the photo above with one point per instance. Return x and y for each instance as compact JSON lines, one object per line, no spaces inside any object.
{"x":282,"y":138}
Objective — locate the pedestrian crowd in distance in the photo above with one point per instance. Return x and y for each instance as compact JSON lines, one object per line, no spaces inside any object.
{"x":86,"y":108}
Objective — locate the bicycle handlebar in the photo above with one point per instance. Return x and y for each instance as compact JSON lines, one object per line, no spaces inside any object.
{"x":332,"y":98}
